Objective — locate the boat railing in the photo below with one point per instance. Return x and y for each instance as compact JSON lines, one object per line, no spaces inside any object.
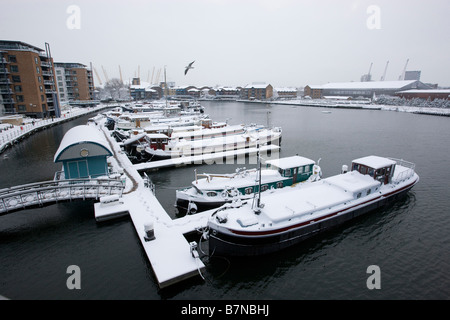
{"x":404,"y":174}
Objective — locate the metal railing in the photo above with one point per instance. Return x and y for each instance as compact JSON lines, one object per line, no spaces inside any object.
{"x":21,"y":197}
{"x":405,"y":173}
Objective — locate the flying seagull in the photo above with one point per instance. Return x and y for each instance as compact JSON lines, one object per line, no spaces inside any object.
{"x":189,"y":67}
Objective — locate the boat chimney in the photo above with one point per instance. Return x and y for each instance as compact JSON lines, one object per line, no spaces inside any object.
{"x":344,"y":169}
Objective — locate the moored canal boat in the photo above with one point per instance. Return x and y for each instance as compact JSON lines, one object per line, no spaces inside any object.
{"x":290,"y":215}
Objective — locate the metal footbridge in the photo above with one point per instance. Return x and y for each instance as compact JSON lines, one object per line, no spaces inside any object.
{"x":41,"y":193}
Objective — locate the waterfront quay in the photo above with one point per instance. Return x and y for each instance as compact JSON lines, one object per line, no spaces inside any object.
{"x":11,"y":134}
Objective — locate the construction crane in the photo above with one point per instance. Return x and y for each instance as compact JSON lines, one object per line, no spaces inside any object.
{"x":98,"y":77}
{"x":106,"y":76}
{"x":402,"y":76}
{"x":384,"y":74}
{"x":367,"y":77}
{"x":120,"y":72}
{"x":370,"y":69}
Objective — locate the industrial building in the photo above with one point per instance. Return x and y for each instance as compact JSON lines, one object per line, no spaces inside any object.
{"x":362,"y":89}
{"x":425,"y":94}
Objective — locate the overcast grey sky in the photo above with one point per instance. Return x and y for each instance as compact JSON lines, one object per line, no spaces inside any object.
{"x":237,"y":42}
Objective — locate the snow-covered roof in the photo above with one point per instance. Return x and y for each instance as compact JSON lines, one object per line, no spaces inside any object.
{"x":365,"y":85}
{"x":444,"y":91}
{"x":352,"y":181}
{"x":375,"y":162}
{"x":286,"y":89}
{"x":82,"y":136}
{"x":290,"y":162}
{"x":257,"y":86}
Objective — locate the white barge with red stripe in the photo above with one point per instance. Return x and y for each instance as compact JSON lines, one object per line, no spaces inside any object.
{"x":284,"y":217}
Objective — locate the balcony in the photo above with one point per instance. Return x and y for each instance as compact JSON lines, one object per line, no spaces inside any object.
{"x":5,"y":81}
{"x":6,"y":91}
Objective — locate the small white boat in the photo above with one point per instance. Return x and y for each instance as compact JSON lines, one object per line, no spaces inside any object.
{"x":165,"y":148}
{"x":215,"y":190}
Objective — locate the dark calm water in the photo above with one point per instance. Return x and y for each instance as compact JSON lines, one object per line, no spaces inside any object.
{"x":409,"y":241}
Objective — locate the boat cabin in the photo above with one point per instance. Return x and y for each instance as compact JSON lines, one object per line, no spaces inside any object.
{"x":379,"y":168}
{"x":296,"y":167}
{"x":157,"y":141}
{"x":83,"y":152}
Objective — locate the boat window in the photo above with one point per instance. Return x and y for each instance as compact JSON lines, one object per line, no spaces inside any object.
{"x":279,"y":184}
{"x":248,"y":190}
{"x":358,"y":195}
{"x":264,"y":187}
{"x":307,"y":168}
{"x":369,"y":191}
{"x":287,"y":172}
{"x":371,"y":172}
{"x":300,"y":170}
{"x":355,"y":167}
{"x":211,"y":194}
{"x":295,"y":170}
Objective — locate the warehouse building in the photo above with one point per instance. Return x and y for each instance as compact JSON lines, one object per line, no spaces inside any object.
{"x":362,"y":89}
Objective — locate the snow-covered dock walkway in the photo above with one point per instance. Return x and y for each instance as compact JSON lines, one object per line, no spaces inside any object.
{"x":169,"y":252}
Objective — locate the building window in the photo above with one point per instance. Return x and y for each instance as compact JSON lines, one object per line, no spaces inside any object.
{"x":41,"y":89}
{"x":22,"y":108}
{"x":15,"y":78}
{"x":14,"y":69}
{"x":42,"y":98}
{"x":18,"y":88}
{"x":39,"y":79}
{"x":38,"y":70}
{"x":12,"y":59}
{"x":19,"y":98}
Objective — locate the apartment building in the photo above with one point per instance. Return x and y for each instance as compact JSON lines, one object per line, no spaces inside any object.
{"x":74,"y":81}
{"x":27,"y":83}
{"x":258,"y":91}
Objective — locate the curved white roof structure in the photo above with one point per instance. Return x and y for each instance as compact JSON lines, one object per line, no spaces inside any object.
{"x":82,"y":141}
